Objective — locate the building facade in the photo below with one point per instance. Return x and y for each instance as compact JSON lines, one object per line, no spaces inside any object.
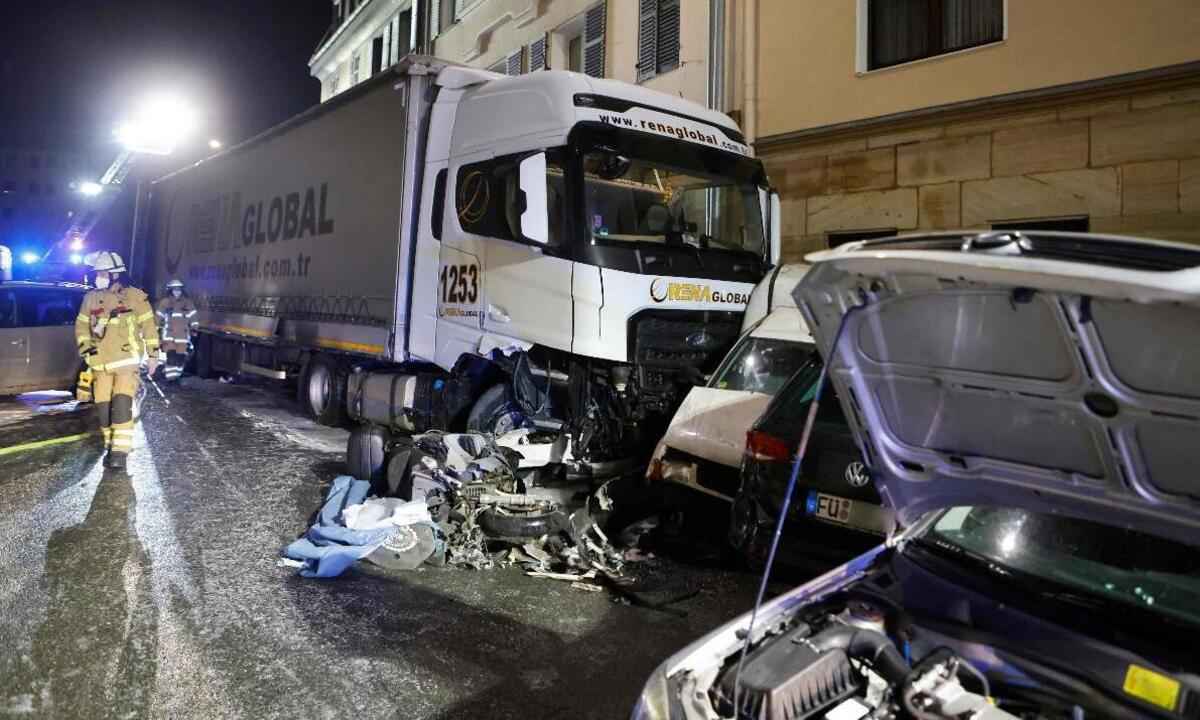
{"x":364,"y":37}
{"x":674,"y":46}
{"x":878,"y":116}
{"x":36,"y":196}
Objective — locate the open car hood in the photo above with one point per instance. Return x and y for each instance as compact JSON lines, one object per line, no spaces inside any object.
{"x":1054,"y":371}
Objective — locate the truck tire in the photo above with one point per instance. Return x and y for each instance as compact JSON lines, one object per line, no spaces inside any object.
{"x":204,"y":354}
{"x":366,"y":452}
{"x":503,"y":525}
{"x":494,"y":412}
{"x":323,"y":391}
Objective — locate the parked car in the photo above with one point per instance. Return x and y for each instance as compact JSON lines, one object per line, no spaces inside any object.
{"x":1029,"y":404}
{"x":37,"y":336}
{"x":836,"y":511}
{"x":702,"y":447}
{"x":773,"y":292}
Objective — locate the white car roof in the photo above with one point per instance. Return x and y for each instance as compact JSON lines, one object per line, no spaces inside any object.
{"x":783,"y":323}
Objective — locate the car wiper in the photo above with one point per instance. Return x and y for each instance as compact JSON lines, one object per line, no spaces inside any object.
{"x":1044,"y":588}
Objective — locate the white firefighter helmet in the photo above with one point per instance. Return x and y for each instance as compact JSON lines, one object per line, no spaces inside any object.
{"x":105,"y":261}
{"x":174,"y":283}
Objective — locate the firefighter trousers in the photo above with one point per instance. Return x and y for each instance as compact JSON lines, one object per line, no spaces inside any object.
{"x":113,"y":393}
{"x":173,"y":369}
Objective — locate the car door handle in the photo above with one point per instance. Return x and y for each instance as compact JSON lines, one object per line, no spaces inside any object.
{"x":497,"y":313}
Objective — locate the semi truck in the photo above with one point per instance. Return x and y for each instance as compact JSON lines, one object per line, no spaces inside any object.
{"x":444,"y":247}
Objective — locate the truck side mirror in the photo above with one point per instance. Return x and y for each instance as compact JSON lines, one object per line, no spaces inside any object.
{"x":532,"y":204}
{"x":776,"y":236}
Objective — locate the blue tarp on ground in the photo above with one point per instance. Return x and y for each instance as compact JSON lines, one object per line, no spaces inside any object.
{"x":329,"y":547}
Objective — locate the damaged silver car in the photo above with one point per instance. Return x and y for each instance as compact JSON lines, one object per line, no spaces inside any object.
{"x":1030,"y":406}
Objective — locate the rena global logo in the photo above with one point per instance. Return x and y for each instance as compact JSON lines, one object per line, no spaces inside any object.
{"x":662,"y":290}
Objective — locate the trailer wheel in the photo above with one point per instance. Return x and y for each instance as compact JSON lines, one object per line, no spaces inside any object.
{"x":204,"y":353}
{"x":366,"y":457}
{"x":323,"y":391}
{"x":495,"y":413}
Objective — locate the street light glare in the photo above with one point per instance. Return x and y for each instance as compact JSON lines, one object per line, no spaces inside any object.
{"x":90,"y":189}
{"x":77,"y":244}
{"x":29,"y":258}
{"x":76,"y":258}
{"x":158,"y":125}
{"x":215,"y":144}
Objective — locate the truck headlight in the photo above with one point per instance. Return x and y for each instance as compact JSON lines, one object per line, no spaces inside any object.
{"x":654,"y":702}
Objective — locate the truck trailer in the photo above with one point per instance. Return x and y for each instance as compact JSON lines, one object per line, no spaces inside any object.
{"x":444,"y":247}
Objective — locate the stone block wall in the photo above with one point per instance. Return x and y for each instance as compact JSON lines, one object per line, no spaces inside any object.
{"x":1130,"y":163}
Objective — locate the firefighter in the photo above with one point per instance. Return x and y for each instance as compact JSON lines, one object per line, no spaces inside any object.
{"x":178,"y":315}
{"x":114,"y":329}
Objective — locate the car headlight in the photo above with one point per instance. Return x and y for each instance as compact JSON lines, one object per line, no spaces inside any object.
{"x":654,"y":702}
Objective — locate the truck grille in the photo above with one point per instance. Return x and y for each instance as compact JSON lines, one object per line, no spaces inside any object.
{"x":663,"y":342}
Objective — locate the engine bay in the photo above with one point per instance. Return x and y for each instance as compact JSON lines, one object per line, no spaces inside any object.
{"x":852,"y":659}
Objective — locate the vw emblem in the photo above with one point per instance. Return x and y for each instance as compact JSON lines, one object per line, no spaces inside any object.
{"x":699,"y":339}
{"x":857,"y":475}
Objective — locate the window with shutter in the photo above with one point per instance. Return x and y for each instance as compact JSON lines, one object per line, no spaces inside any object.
{"x":513,"y":63}
{"x":658,"y":37}
{"x":538,"y":50}
{"x":647,"y":65}
{"x":435,"y":18}
{"x":462,"y":6}
{"x":668,"y":35}
{"x":593,"y":40}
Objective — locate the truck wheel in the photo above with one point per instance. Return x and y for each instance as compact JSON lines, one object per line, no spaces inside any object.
{"x":323,"y":391}
{"x":503,"y":525}
{"x":366,"y":457}
{"x":204,"y":350}
{"x":494,"y":413}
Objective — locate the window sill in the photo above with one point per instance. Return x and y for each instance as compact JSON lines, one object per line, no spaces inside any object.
{"x":657,"y":75}
{"x":931,"y":58}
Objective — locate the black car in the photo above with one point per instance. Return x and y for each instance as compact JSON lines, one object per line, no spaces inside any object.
{"x":836,"y":511}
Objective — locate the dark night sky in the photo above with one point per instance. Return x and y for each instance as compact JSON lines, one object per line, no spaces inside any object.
{"x":68,"y":67}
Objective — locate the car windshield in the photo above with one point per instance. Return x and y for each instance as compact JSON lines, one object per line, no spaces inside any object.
{"x":1117,"y":563}
{"x":668,"y":193}
{"x":761,"y":365}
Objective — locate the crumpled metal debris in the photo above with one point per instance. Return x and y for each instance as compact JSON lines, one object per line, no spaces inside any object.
{"x":464,"y":475}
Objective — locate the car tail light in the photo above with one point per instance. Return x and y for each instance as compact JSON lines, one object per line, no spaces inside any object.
{"x":764,"y":446}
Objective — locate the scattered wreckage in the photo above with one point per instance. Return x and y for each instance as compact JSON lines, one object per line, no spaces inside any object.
{"x":470,"y":500}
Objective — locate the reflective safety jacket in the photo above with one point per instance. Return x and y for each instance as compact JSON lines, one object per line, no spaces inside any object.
{"x":115,"y":328}
{"x":178,"y":319}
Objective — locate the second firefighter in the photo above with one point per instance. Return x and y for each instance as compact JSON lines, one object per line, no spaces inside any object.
{"x":177,"y":314}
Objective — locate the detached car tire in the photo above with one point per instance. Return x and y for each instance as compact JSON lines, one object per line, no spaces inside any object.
{"x":497,"y":524}
{"x":366,"y":453}
{"x":322,"y":391}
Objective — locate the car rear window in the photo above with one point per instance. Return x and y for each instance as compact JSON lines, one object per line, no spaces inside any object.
{"x":787,"y":413}
{"x":46,"y":307}
{"x":761,"y":365}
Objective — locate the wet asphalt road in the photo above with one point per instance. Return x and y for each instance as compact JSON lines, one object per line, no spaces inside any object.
{"x":156,"y":593}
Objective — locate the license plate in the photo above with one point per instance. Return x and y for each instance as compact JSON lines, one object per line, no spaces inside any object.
{"x":830,"y":507}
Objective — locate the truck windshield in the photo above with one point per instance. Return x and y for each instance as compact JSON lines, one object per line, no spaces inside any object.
{"x":643,"y":190}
